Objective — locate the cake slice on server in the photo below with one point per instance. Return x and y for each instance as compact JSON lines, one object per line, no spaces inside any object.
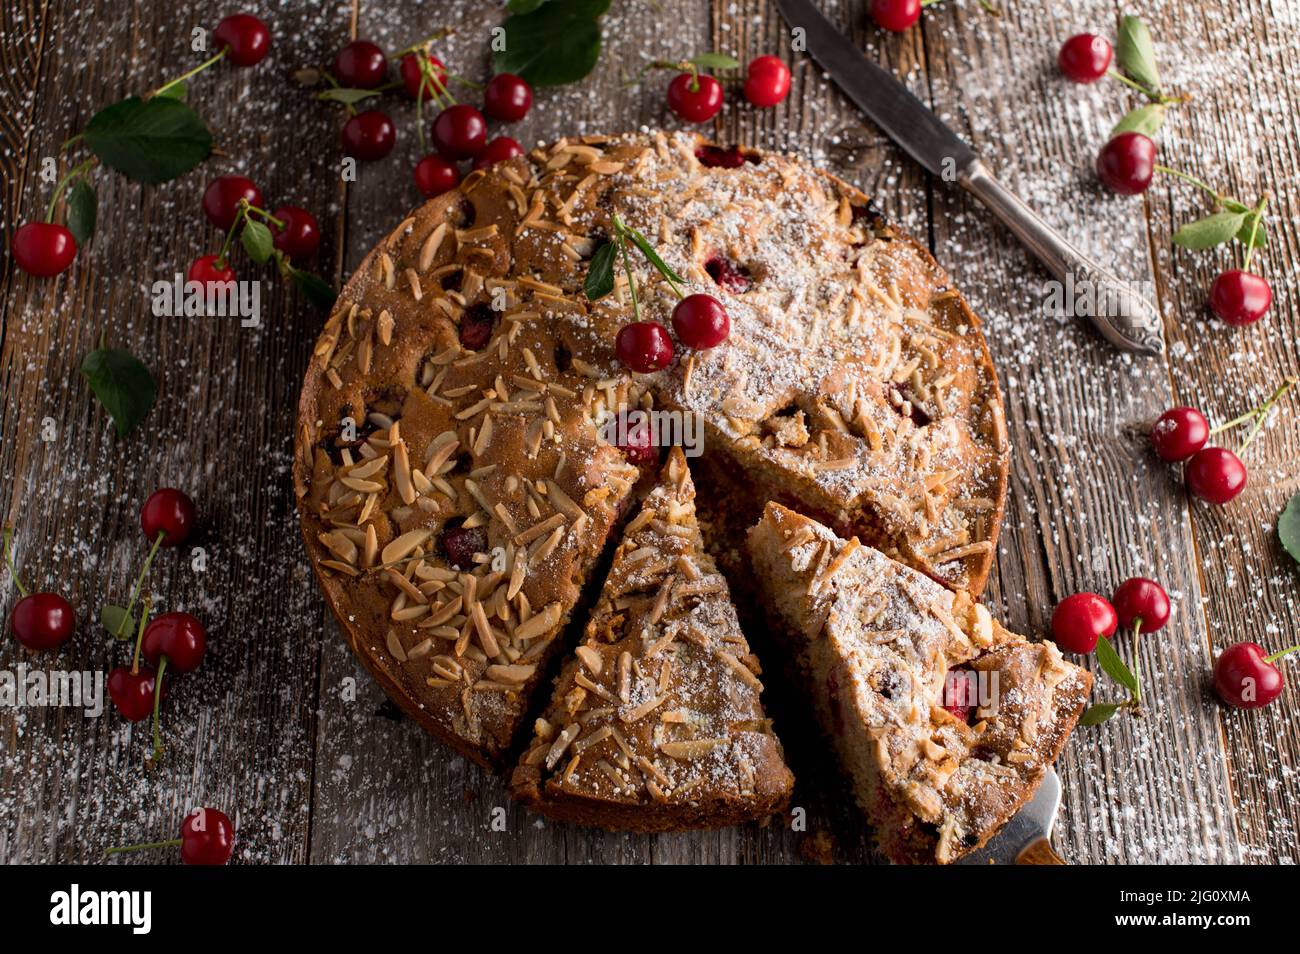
{"x":656,"y":723}
{"x":945,"y":721}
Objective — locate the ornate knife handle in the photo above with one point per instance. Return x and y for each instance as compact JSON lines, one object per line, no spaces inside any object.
{"x":1124,"y":317}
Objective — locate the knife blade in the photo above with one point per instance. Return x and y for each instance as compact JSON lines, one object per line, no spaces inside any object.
{"x":1026,"y":838}
{"x":1122,"y":315}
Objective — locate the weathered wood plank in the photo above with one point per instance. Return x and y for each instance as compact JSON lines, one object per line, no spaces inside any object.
{"x":238,"y":731}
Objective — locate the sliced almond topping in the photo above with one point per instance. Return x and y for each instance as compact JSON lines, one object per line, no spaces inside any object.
{"x":404,"y":545}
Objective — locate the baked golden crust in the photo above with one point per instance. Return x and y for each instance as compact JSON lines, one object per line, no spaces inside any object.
{"x":655,"y":723}
{"x":855,"y":381}
{"x":877,"y":643}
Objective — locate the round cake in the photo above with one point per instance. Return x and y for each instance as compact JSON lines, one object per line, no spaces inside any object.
{"x":456,"y":491}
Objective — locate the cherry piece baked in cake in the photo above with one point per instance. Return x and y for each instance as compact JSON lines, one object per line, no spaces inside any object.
{"x":944,"y":721}
{"x":656,"y":723}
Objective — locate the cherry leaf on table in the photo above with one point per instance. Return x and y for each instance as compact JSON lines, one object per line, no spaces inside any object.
{"x":1244,"y":233}
{"x":257,"y":241}
{"x":1114,"y":666}
{"x":83,"y":211}
{"x":1137,"y":54}
{"x":177,"y":90}
{"x":523,"y":6}
{"x":600,"y":273}
{"x":1101,"y":712}
{"x":119,"y":623}
{"x":1210,"y":231}
{"x":151,"y":141}
{"x":122,"y":384}
{"x":1288,"y":528}
{"x":1146,"y":120}
{"x":316,"y":290}
{"x":714,"y":61}
{"x":556,"y":43}
{"x":347,"y":95}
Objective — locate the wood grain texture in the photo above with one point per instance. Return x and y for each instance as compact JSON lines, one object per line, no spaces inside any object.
{"x":283,"y":729}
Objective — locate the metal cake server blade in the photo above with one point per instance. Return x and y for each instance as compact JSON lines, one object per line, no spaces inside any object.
{"x":1123,"y":316}
{"x":1027,"y":838}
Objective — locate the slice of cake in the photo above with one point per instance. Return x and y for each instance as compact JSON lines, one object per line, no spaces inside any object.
{"x":656,"y":724}
{"x":945,"y":721}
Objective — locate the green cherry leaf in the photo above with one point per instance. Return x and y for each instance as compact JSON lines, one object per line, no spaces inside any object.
{"x":1114,"y":666}
{"x":1101,"y":712}
{"x":554,"y":44}
{"x":523,"y":6}
{"x":257,"y":241}
{"x":122,"y":384}
{"x":600,"y":273}
{"x":1137,"y":54}
{"x":151,"y":141}
{"x":83,"y":211}
{"x":1288,"y":528}
{"x":714,"y":61}
{"x":648,"y":251}
{"x":177,"y":90}
{"x":346,"y":96}
{"x":1210,"y":231}
{"x":119,"y":623}
{"x":1146,"y":120}
{"x":315,"y":289}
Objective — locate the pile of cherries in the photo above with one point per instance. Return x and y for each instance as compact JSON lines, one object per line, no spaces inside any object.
{"x":48,"y":248}
{"x":459,"y":130}
{"x":697,"y":97}
{"x":231,"y":199}
{"x":1127,"y":164}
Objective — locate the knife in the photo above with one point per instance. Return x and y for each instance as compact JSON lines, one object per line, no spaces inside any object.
{"x":1027,"y":838}
{"x":1123,"y":317}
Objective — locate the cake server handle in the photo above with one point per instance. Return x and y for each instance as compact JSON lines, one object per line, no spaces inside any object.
{"x":1123,"y":317}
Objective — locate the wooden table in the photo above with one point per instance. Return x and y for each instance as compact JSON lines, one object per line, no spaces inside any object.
{"x":283,"y":730}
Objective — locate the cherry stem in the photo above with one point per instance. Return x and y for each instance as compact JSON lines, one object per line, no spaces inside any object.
{"x":265,"y":215}
{"x":194,"y":72}
{"x":9,"y":558}
{"x":1200,"y":184}
{"x":169,"y":843}
{"x":139,"y":636}
{"x":1137,"y":664}
{"x":59,"y":189}
{"x":1278,"y":655}
{"x":157,"y":701}
{"x":1262,"y":414}
{"x":139,"y":582}
{"x":423,"y":44}
{"x":240,"y":214}
{"x":1254,"y":228}
{"x":627,"y":267}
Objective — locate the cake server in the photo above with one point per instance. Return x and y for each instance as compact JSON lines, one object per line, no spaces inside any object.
{"x":1123,"y":317}
{"x":1027,"y":838}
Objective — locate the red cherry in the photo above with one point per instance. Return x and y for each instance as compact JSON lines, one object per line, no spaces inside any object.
{"x":434,"y":175}
{"x":204,"y":270}
{"x":132,"y":692}
{"x":701,"y":322}
{"x":1245,"y":677}
{"x":498,"y":150}
{"x":222,"y":197}
{"x":411,"y":77}
{"x":360,"y":65}
{"x":695,"y":98}
{"x":476,"y":326}
{"x":767,"y":81}
{"x":43,"y":248}
{"x":245,"y":36}
{"x":178,"y":637}
{"x":42,"y":620}
{"x":507,"y":97}
{"x":1240,"y":298}
{"x":1141,"y":599}
{"x":369,"y":135}
{"x":727,"y":275}
{"x":460,"y":132}
{"x":170,"y":512}
{"x":957,"y":694}
{"x":644,"y":346}
{"x":716,"y":157}
{"x":460,"y":544}
{"x":1179,"y":433}
{"x":895,"y":15}
{"x":299,"y":237}
{"x":1215,"y":474}
{"x":1127,"y":163}
{"x":638,"y":443}
{"x":1079,"y":620}
{"x":1085,"y":58}
{"x":207,"y":838}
